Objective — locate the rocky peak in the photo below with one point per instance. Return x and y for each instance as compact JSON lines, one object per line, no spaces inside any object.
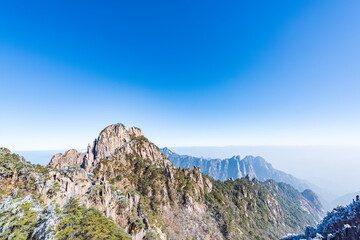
{"x":70,"y":157}
{"x":236,"y":157}
{"x":249,"y":177}
{"x":136,"y":132}
{"x":166,"y":151}
{"x":110,"y":139}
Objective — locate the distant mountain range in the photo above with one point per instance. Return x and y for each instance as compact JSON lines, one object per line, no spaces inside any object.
{"x":345,"y":199}
{"x":235,"y":167}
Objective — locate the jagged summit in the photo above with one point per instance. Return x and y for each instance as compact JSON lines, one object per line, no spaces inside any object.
{"x":112,"y":138}
{"x":70,"y":157}
{"x":236,"y":157}
{"x":222,"y":169}
{"x":249,"y":177}
{"x":235,"y":167}
{"x":166,"y":151}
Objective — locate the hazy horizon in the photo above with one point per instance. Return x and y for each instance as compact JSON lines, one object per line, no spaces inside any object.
{"x":187,"y":73}
{"x":332,"y":168}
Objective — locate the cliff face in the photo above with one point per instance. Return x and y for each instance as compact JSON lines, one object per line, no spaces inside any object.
{"x":130,"y":181}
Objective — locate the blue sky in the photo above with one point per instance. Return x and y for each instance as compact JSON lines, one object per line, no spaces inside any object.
{"x":189,"y":73}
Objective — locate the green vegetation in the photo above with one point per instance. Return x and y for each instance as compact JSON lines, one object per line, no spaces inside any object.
{"x":16,"y":172}
{"x":53,"y":189}
{"x":24,"y":218}
{"x":241,"y":204}
{"x":249,"y":205}
{"x":19,"y":221}
{"x":79,"y":222}
{"x":289,"y":201}
{"x":23,"y":213}
{"x":11,"y":164}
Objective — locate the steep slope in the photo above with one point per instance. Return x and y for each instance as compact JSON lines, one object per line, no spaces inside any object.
{"x":340,"y":223}
{"x":313,"y":200}
{"x":127,"y":179}
{"x":236,"y":167}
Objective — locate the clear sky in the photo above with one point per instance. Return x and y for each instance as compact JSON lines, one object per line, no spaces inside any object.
{"x":189,"y":73}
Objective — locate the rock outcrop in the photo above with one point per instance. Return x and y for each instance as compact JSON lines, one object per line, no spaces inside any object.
{"x":71,"y":157}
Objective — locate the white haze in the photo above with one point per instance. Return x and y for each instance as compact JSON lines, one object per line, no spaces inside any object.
{"x":334,"y":168}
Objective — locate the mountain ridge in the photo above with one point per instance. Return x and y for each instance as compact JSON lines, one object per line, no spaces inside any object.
{"x":128,"y":180}
{"x":255,"y":166}
{"x":236,"y":167}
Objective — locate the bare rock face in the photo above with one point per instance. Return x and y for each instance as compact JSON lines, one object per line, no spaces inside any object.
{"x":136,"y":132}
{"x":110,"y":139}
{"x":65,"y":183}
{"x":70,"y":157}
